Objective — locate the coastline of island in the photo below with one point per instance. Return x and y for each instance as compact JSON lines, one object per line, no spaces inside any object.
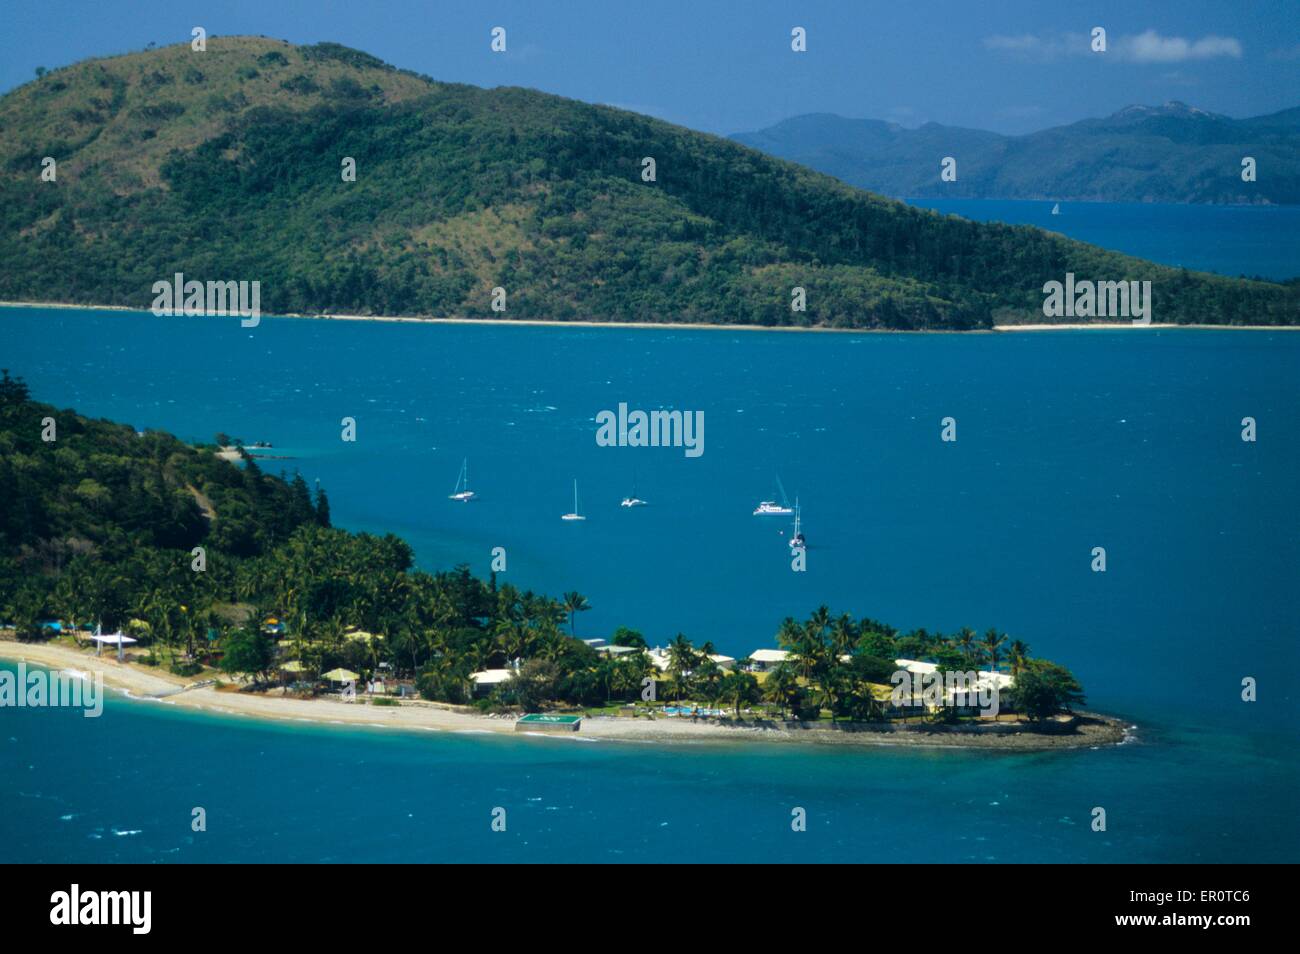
{"x":305,"y":621}
{"x":688,"y":326}
{"x":141,"y":684}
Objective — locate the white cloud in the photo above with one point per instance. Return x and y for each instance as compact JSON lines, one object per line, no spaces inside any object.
{"x":1151,"y":47}
{"x":1032,"y":47}
{"x":1148,"y":47}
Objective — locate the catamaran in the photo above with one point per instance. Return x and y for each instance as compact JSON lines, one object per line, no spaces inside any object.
{"x":770,"y":508}
{"x":575,"y":515}
{"x":631,"y":500}
{"x":462,"y":491}
{"x":796,"y":539}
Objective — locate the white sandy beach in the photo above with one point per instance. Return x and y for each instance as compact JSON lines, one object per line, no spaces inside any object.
{"x":679,"y":326}
{"x":140,"y":681}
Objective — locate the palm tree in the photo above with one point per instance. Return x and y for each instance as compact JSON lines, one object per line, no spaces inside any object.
{"x":831,"y":688}
{"x":628,"y":673}
{"x":740,"y":688}
{"x":780,"y":686}
{"x":991,"y":643}
{"x":843,"y":635}
{"x":710,"y":675}
{"x":819,"y":622}
{"x":682,"y":659}
{"x":800,"y":646}
{"x":1019,"y":656}
{"x":966,"y":642}
{"x":574,"y":603}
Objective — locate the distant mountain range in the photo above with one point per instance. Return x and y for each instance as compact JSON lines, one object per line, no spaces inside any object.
{"x":1169,"y":153}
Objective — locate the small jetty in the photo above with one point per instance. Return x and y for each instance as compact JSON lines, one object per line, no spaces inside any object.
{"x":538,"y":722}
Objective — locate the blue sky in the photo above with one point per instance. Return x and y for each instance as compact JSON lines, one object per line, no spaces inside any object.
{"x":1009,"y":65}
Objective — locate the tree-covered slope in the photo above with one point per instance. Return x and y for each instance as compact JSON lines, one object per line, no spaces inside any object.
{"x":70,"y":484}
{"x":225,"y":165}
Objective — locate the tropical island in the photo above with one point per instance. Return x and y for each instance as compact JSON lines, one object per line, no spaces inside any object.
{"x":235,"y":592}
{"x":232,"y":164}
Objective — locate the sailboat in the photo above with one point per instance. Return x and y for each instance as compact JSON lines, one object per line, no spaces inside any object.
{"x":770,"y":508}
{"x":631,"y":500}
{"x":462,"y":491}
{"x":796,"y":539}
{"x":575,"y":515}
{"x":1056,"y":209}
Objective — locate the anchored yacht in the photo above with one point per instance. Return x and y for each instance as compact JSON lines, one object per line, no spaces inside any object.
{"x":462,"y":491}
{"x":770,"y":508}
{"x":797,"y":539}
{"x":575,"y":515}
{"x":632,"y":500}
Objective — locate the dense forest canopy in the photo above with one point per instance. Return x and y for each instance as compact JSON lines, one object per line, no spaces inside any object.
{"x":226,"y":165}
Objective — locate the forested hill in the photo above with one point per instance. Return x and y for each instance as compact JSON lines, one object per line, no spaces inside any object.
{"x":72,"y":485}
{"x":225,"y":165}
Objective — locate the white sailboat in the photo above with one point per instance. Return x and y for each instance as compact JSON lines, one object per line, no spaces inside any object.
{"x":770,"y":508}
{"x":462,"y":491}
{"x":796,"y":539}
{"x":1056,"y":209}
{"x":575,"y":515}
{"x":632,"y":500}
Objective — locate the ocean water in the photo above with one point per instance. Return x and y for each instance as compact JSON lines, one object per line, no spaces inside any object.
{"x":1066,"y":441}
{"x":1256,"y":241}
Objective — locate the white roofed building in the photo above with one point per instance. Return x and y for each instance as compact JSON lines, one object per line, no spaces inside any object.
{"x":486,"y":679}
{"x":916,"y":667}
{"x":762,"y":660}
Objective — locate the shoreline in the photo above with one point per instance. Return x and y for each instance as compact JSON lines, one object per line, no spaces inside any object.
{"x":680,"y":326}
{"x":142,"y":684}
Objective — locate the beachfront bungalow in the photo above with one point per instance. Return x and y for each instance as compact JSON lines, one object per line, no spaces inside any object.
{"x":617,"y":650}
{"x":488,"y":679}
{"x":764,"y":660}
{"x":916,"y":667}
{"x":663,"y":659}
{"x":1000,"y":681}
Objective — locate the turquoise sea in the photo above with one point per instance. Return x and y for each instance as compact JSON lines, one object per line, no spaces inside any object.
{"x":1066,"y":441}
{"x":1252,"y":240}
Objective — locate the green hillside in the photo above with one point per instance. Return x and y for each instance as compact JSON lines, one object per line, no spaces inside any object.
{"x":226,"y":165}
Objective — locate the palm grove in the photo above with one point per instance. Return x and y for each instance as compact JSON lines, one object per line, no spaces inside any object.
{"x":100,"y":525}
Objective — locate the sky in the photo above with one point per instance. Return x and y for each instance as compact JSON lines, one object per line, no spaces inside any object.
{"x":726,"y":66}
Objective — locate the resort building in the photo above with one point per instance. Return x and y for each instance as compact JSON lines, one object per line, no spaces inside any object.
{"x":763,"y":660}
{"x":663,"y":659}
{"x":916,"y":667}
{"x":487,"y":679}
{"x":616,"y":650}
